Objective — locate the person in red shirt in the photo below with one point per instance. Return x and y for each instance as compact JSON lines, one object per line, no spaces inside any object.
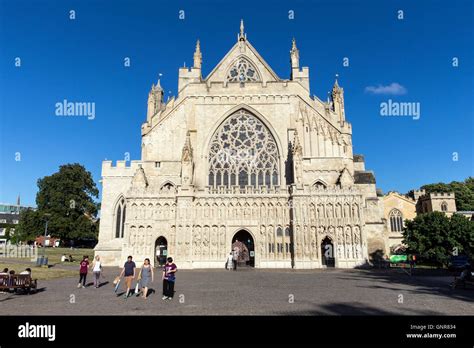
{"x":83,"y":268}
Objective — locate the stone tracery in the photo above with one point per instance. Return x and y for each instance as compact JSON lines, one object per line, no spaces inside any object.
{"x":243,"y":71}
{"x":243,"y":152}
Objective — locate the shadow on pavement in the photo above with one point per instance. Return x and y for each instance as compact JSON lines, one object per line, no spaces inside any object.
{"x":438,"y":286}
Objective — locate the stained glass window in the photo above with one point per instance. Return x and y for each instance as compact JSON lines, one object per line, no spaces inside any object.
{"x":243,"y":152}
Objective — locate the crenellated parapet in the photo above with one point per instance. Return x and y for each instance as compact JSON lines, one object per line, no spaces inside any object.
{"x":121,"y":168}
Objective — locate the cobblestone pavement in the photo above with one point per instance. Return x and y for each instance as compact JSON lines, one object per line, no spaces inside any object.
{"x":255,"y":292}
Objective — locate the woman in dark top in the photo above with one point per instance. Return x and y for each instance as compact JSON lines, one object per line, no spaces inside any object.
{"x":169,"y":278}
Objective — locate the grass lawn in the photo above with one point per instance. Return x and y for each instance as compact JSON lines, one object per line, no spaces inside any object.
{"x":40,"y":273}
{"x":54,"y":258}
{"x":54,"y":254}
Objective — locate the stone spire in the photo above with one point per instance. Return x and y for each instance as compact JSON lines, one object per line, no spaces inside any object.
{"x":187,"y":155}
{"x":241,"y":36}
{"x":158,"y":86}
{"x":294,"y":55}
{"x":197,"y":56}
{"x":338,"y":100}
{"x":336,"y":88}
{"x":297,"y":148}
{"x":155,"y":100}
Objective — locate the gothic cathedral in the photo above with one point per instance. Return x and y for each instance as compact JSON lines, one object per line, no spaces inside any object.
{"x":243,"y":157}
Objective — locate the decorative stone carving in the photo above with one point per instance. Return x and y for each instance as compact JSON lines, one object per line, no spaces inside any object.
{"x":139,"y":179}
{"x":346,"y":179}
{"x":187,"y":162}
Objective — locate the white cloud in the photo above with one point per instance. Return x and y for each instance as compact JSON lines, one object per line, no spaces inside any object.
{"x":393,"y":89}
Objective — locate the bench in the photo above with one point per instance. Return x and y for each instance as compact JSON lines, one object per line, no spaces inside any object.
{"x":18,"y":281}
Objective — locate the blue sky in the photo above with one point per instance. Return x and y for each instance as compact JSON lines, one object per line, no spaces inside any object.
{"x":82,"y":60}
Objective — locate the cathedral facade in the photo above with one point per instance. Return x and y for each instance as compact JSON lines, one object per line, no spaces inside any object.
{"x":242,"y":156}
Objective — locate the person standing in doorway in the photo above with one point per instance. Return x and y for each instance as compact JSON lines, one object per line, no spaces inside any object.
{"x":146,"y":274}
{"x":128,"y":272}
{"x":235,"y":256}
{"x":169,"y":278}
{"x":96,"y":271}
{"x":229,"y":264}
{"x":83,"y":268}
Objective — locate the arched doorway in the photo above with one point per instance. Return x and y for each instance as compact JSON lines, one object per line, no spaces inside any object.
{"x":327,"y":253}
{"x":243,"y":240}
{"x":161,"y":251}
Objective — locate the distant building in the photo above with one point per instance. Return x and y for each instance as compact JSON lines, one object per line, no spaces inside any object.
{"x":435,"y":201}
{"x":398,"y":208}
{"x":47,"y":241}
{"x":9,"y":218}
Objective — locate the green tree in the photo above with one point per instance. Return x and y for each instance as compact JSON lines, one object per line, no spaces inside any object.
{"x":29,"y":227}
{"x":436,"y":237}
{"x":429,"y":236}
{"x":462,"y":231}
{"x":66,"y":198}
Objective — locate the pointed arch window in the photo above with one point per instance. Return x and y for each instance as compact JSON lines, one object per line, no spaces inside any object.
{"x":120,"y":213}
{"x":396,"y":220}
{"x":243,"y":71}
{"x":243,"y":152}
{"x":444,"y":207}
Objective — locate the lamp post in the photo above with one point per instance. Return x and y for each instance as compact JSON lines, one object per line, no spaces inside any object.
{"x":46,"y":215}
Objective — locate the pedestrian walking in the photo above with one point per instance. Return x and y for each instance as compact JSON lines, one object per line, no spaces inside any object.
{"x":146,"y":276}
{"x":229,"y":264}
{"x":83,"y":268}
{"x":96,"y":271}
{"x":128,"y":271}
{"x":169,"y":278}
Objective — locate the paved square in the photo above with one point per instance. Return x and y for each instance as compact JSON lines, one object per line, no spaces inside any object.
{"x":256,"y":292}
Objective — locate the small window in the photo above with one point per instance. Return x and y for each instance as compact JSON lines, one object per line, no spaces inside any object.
{"x":444,"y":207}
{"x":120,"y":219}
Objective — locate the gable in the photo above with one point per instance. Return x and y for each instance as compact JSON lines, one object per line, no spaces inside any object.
{"x":242,"y":59}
